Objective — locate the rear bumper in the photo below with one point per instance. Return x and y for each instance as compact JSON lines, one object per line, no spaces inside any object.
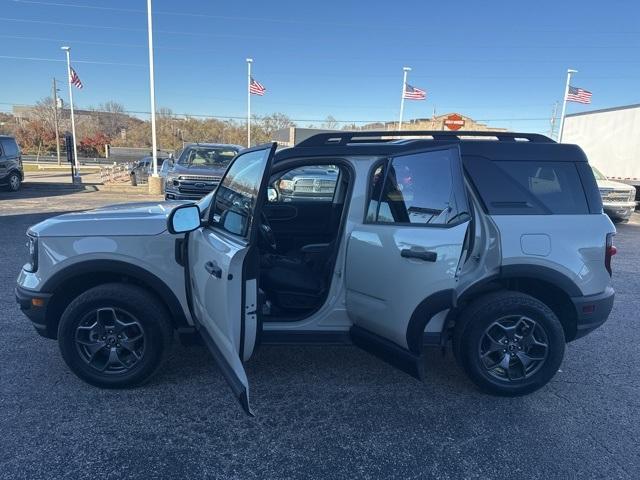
{"x":36,"y":313}
{"x":592,"y":311}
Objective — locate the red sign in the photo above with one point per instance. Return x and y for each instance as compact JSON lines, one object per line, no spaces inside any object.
{"x":454,"y":122}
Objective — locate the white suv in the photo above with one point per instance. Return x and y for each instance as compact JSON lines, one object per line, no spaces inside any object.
{"x":493,"y":241}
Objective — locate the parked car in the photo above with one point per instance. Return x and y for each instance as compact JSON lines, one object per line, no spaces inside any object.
{"x":11,"y":170}
{"x":618,"y":199}
{"x":142,"y":169}
{"x":198,"y":170}
{"x":311,"y":183}
{"x":439,"y":239}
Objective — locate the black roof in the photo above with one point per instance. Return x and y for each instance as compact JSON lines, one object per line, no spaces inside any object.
{"x":508,"y":146}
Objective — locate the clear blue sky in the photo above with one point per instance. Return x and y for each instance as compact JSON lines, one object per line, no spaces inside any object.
{"x":503,"y":61}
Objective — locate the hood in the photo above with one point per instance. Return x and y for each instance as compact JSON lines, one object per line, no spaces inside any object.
{"x":612,"y":185}
{"x":149,"y":218}
{"x":217,"y":170}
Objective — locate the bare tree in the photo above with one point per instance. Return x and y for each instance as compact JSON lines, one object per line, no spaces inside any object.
{"x":330,"y":123}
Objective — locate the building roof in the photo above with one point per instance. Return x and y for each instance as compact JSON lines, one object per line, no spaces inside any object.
{"x":603,"y":110}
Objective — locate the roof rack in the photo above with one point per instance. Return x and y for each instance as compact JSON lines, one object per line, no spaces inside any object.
{"x":375,"y":136}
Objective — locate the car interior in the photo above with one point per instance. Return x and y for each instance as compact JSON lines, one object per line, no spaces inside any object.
{"x":298,"y":248}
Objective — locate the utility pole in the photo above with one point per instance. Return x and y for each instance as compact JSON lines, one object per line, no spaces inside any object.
{"x":554,"y":114}
{"x":152,"y":91}
{"x":55,"y":118}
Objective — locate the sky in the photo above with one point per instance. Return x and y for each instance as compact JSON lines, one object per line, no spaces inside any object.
{"x":499,"y":62}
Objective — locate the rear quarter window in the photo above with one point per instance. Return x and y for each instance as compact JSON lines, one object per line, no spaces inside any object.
{"x":527,"y":187}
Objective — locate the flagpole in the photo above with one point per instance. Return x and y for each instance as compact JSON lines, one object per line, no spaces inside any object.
{"x":404,"y":86}
{"x":152,"y":92}
{"x":249,"y":61}
{"x":73,"y":120}
{"x":564,"y":103}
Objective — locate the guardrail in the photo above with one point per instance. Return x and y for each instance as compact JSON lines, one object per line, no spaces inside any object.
{"x":82,"y":160}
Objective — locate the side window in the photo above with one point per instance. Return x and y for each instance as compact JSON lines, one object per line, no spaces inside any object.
{"x":416,"y":189}
{"x":9,"y":147}
{"x":527,"y":187}
{"x":311,"y":183}
{"x":236,"y":197}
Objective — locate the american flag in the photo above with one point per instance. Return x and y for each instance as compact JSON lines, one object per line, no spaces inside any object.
{"x":413,"y":93}
{"x":578,"y":95}
{"x":256,"y":88}
{"x":74,"y":79}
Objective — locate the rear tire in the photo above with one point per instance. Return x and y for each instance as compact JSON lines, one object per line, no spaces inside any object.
{"x":508,"y":343}
{"x":115,"y":335}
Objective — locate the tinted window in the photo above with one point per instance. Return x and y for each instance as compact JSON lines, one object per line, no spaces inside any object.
{"x":236,"y":197}
{"x":527,"y":187}
{"x":207,"y":156}
{"x":312,"y":183}
{"x":416,"y":189}
{"x":9,"y":147}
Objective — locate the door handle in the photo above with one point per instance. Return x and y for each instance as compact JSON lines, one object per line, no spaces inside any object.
{"x":427,"y":256}
{"x":213,"y":269}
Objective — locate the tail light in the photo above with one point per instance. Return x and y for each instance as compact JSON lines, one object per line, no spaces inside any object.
{"x":610,"y":251}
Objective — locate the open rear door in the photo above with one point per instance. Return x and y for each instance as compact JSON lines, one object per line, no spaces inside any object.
{"x":222,"y":267}
{"x":402,"y":262}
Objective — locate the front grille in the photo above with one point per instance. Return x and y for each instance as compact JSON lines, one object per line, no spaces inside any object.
{"x":201,"y":178}
{"x":314,"y":185}
{"x":619,"y":196}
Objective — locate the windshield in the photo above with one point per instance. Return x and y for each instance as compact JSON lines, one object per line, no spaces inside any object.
{"x":598,"y":174}
{"x":207,"y":156}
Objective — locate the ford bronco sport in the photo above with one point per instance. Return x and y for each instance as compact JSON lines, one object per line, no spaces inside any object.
{"x":495,"y":242}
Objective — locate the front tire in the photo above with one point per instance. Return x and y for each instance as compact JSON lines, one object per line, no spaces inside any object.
{"x":509,"y":343}
{"x":15,"y":181}
{"x":115,"y":335}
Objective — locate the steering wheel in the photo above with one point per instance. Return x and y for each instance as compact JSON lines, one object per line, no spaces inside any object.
{"x":267,"y":237}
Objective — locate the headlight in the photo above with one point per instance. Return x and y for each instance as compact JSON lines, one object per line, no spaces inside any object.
{"x":171,"y":180}
{"x":286,"y":185}
{"x":32,"y":245}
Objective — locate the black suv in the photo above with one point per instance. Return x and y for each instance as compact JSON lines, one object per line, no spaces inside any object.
{"x":198,"y":170}
{"x":11,"y":172}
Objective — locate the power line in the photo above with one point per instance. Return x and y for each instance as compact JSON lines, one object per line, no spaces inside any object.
{"x":283,"y":20}
{"x":40,"y":59}
{"x":243,"y":117}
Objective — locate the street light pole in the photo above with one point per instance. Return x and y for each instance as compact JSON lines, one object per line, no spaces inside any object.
{"x":73,"y":120}
{"x":55,"y":118}
{"x":152,"y":91}
{"x":564,"y":103}
{"x":404,"y":87}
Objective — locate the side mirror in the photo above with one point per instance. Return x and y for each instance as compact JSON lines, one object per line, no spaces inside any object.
{"x":272,"y":194}
{"x":184,"y":218}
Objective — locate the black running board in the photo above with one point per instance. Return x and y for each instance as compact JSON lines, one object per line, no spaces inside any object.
{"x":388,"y":351}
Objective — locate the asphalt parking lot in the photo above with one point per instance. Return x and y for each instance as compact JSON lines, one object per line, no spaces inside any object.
{"x":322,"y":412}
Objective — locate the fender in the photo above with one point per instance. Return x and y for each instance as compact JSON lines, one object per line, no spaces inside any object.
{"x":538,"y":272}
{"x":123,"y":268}
{"x":434,"y":303}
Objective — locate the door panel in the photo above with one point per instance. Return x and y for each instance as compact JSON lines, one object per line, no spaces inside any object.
{"x":385,"y":286}
{"x":222,"y":268}
{"x":411,"y":246}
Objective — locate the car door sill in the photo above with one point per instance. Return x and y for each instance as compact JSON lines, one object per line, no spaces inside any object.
{"x":388,"y":351}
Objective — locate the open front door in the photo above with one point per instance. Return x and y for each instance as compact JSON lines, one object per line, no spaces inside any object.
{"x":402,"y":262}
{"x":222,"y":267}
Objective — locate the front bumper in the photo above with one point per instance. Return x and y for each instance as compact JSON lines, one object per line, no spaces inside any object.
{"x":175,"y":195}
{"x":34,"y":305}
{"x":592,"y":311}
{"x":621,"y":210}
